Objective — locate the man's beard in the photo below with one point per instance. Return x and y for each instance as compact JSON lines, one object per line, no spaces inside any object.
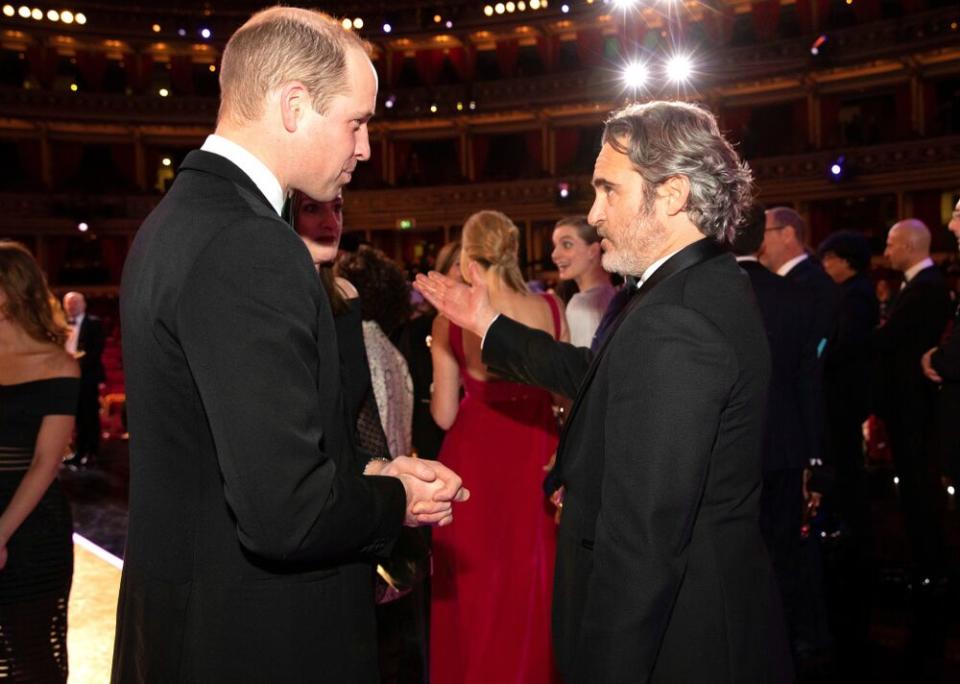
{"x":638,"y":247}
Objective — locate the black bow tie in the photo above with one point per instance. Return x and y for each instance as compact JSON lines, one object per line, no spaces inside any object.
{"x":631,"y":282}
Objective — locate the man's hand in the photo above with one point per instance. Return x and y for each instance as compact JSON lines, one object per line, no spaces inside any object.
{"x":465,"y":305}
{"x":431,"y":487}
{"x":812,"y":497}
{"x":928,"y":369}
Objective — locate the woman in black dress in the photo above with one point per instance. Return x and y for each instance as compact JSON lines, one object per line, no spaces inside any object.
{"x":39,"y":382}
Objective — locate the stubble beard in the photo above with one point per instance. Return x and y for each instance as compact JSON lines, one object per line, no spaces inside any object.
{"x":638,"y":247}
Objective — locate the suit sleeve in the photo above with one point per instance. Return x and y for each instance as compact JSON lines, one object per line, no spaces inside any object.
{"x":670,"y":378}
{"x":946,"y":360}
{"x":247,"y":323}
{"x":533,"y":357}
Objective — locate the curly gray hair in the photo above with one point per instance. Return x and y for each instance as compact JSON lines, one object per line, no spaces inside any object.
{"x":665,"y":139}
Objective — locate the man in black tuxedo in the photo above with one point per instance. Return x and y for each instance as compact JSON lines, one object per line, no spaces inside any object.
{"x":791,"y":412}
{"x":86,"y":342}
{"x":906,"y":399}
{"x":253,"y":522}
{"x":662,"y":574}
{"x":941,"y":364}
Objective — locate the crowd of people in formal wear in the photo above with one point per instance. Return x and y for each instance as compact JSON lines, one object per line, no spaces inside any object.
{"x":337,"y":477}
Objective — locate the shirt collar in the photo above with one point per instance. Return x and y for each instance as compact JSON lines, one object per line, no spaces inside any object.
{"x":747,"y":257}
{"x":912,"y":272}
{"x":787,"y":267}
{"x":257,"y":171}
{"x":652,"y":268}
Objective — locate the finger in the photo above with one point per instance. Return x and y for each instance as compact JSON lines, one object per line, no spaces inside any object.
{"x":446,"y":521}
{"x":435,"y":518}
{"x":431,"y":508}
{"x":462,"y":495}
{"x":449,"y":489}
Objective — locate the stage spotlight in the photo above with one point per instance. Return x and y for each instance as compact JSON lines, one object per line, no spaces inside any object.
{"x":565,"y":8}
{"x":387,"y":28}
{"x":635,"y":75}
{"x":166,"y":161}
{"x":182,"y":32}
{"x":24,"y":12}
{"x":433,"y":109}
{"x":838,"y":168}
{"x":499,"y":8}
{"x":83,"y":227}
{"x":205,"y":33}
{"x":563,"y":192}
{"x":511,"y":7}
{"x":488,"y":10}
{"x":9,"y":11}
{"x":53,"y":15}
{"x":679,"y":68}
{"x":624,"y":4}
{"x":358,"y":23}
{"x":37,"y":14}
{"x":818,"y":44}
{"x":81,"y":18}
{"x":390,"y":102}
{"x":347,"y":24}
{"x":534,"y":4}
{"x":66,"y":16}
{"x":448,"y":24}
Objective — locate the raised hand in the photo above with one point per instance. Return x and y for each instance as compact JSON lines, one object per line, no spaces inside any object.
{"x":465,"y":305}
{"x":928,"y":369}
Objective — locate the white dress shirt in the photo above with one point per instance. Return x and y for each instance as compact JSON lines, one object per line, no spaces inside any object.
{"x":255,"y":169}
{"x":74,"y":338}
{"x":912,"y":272}
{"x":787,"y":267}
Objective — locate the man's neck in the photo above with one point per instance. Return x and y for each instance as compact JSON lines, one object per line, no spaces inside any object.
{"x":251,"y":139}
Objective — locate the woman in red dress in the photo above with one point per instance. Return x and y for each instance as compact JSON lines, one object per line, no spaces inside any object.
{"x":493,"y":568}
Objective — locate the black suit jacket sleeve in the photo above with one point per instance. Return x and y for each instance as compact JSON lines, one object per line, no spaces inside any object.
{"x":671,"y":376}
{"x":946,"y":360}
{"x":247,"y":322}
{"x":533,"y":357}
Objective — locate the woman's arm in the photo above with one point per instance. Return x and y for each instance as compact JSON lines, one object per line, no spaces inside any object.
{"x":445,"y":397}
{"x":52,"y":440}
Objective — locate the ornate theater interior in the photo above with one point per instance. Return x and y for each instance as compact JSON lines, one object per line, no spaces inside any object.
{"x":846,"y":110}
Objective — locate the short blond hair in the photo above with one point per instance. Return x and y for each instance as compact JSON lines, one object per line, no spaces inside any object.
{"x":279,"y":45}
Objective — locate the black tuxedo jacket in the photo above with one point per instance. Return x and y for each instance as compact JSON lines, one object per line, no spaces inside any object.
{"x":791,"y":431}
{"x":848,"y":375}
{"x":90,"y":340}
{"x":824,"y":295}
{"x":946,"y":361}
{"x":661,"y":573}
{"x":915,"y":322}
{"x":250,"y":520}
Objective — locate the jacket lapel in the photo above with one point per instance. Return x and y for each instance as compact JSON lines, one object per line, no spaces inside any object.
{"x":690,"y":255}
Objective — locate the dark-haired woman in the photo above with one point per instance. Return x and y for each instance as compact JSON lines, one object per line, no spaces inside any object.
{"x":39,"y":385}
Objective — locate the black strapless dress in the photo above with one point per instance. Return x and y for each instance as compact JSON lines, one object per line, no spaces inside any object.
{"x":35,"y":584}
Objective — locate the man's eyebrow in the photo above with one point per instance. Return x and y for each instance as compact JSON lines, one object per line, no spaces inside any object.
{"x":601,"y":181}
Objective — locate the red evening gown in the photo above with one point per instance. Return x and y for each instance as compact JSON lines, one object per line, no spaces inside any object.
{"x":493,"y":567}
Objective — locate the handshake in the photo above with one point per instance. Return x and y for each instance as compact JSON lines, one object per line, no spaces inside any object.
{"x":431,"y":488}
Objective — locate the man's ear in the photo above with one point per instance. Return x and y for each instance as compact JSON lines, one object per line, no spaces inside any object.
{"x":675,"y":190}
{"x":294,"y":104}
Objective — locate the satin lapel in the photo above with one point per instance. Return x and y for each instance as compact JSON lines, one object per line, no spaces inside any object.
{"x":690,"y":255}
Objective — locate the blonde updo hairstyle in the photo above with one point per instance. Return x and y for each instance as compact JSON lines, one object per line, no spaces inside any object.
{"x":492,"y":240}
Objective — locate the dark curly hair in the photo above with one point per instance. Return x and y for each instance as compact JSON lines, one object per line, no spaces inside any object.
{"x":384,"y":292}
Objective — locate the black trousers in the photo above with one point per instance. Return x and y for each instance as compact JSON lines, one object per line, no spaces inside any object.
{"x":921,"y":494}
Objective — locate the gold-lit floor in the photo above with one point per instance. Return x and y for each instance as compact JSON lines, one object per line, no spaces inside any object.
{"x":91,"y":616}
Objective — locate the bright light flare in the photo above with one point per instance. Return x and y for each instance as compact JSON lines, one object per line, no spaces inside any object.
{"x":679,"y":68}
{"x":624,"y":4}
{"x":635,"y":75}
